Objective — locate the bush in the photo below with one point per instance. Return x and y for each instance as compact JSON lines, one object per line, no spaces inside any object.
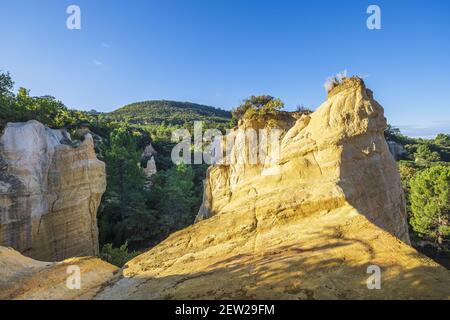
{"x":117,"y":256}
{"x":303,"y":110}
{"x":424,"y":154}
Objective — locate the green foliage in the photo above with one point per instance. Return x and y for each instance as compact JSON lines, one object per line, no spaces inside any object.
{"x":257,"y":106}
{"x":424,"y":154}
{"x":23,"y":107}
{"x":393,"y":134}
{"x":430,"y":203}
{"x":419,"y":184}
{"x":124,"y":216}
{"x":117,"y":256}
{"x":6,"y":84}
{"x":168,"y":113}
{"x":443,"y":140}
{"x":173,"y":195}
{"x":407,"y":171}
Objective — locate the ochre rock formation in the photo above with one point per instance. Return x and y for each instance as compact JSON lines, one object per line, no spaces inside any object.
{"x":50,"y":190}
{"x":306,"y":226}
{"x":335,"y":156}
{"x":25,"y":278}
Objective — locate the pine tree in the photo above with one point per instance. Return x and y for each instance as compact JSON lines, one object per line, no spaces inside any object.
{"x":430,"y":203}
{"x":125,"y":216}
{"x":173,"y":196}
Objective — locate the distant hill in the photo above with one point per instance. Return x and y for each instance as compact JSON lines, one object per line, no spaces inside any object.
{"x":170,"y":112}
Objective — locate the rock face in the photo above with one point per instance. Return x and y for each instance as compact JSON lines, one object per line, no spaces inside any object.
{"x":148,"y":160}
{"x":150,"y":169}
{"x":49,"y":192}
{"x":25,"y":278}
{"x":306,"y":226}
{"x":335,"y":156}
{"x":396,"y":149}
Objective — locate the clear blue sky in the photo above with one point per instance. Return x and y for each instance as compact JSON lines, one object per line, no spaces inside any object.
{"x":218,"y":52}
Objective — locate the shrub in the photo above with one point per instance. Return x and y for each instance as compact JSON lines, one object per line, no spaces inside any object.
{"x":424,"y":154}
{"x":117,"y":256}
{"x":303,"y":110}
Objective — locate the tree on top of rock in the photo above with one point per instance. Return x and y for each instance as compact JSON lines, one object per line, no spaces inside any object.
{"x":257,"y":105}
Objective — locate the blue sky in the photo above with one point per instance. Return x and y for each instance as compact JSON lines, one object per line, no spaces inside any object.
{"x":218,"y":52}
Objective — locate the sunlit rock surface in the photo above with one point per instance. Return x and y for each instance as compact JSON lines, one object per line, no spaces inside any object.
{"x":25,"y":278}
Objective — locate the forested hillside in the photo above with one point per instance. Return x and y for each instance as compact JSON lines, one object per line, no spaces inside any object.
{"x":168,"y":112}
{"x":424,"y":166}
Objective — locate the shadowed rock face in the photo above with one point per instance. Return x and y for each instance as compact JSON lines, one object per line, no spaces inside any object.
{"x":49,"y":192}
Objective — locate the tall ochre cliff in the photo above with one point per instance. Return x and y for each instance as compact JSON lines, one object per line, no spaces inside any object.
{"x":306,"y":226}
{"x":334,"y":157}
{"x":49,"y":192}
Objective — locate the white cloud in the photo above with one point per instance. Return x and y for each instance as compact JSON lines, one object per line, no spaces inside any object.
{"x":98,"y":63}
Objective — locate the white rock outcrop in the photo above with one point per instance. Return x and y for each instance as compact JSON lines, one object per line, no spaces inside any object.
{"x":49,"y":192}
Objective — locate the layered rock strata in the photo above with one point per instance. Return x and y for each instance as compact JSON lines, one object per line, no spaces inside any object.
{"x":50,"y":190}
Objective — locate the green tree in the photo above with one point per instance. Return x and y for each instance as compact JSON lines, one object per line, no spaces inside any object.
{"x":117,"y":256}
{"x":430,"y":203}
{"x":407,"y":171}
{"x":258,"y":105}
{"x":443,"y":139}
{"x":424,"y":154}
{"x":6,"y":98}
{"x":390,"y":133}
{"x":125,"y":216}
{"x":6,"y":84}
{"x":173,"y":196}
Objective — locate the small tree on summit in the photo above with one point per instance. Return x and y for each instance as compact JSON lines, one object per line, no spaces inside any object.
{"x":261,"y":105}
